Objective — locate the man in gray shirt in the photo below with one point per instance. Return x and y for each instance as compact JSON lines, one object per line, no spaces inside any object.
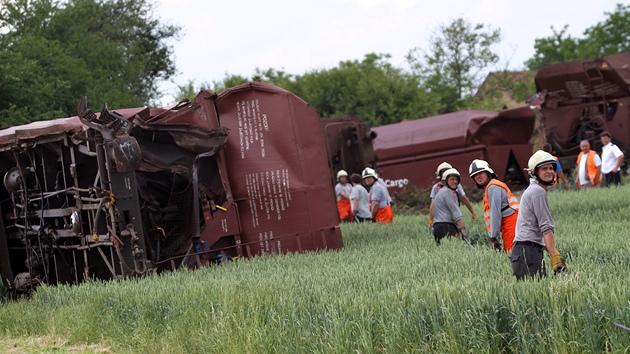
{"x":448,"y":220}
{"x":359,"y":200}
{"x":534,"y":225}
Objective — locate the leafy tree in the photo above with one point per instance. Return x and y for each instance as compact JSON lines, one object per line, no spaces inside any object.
{"x":54,"y":52}
{"x":452,"y":68}
{"x":371,"y":89}
{"x":611,"y":36}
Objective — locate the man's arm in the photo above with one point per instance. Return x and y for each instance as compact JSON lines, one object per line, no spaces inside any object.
{"x":468,"y":205}
{"x":373,"y":209}
{"x":619,"y":162}
{"x":563,"y":178}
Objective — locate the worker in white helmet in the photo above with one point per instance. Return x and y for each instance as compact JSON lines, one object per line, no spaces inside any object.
{"x":461,"y":195}
{"x":534,"y":225}
{"x":342,"y":191}
{"x":500,"y":206}
{"x":448,"y":217}
{"x":380,"y":205}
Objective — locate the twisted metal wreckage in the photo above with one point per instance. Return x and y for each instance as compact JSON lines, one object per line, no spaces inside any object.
{"x":121,"y":193}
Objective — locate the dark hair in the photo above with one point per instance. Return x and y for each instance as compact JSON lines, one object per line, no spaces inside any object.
{"x":606,"y":134}
{"x":356,"y":178}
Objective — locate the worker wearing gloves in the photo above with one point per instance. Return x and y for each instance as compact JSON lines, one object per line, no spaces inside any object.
{"x":459,"y":192}
{"x":534,"y":225}
{"x":448,"y":217}
{"x":500,"y":207}
{"x":343,"y":190}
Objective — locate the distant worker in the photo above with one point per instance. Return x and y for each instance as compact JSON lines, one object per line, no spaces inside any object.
{"x":500,"y":206}
{"x":381,"y":181}
{"x":448,"y":218}
{"x":559,"y":171}
{"x":380,"y":208}
{"x":342,"y":191}
{"x":459,"y":192}
{"x":535,"y":226}
{"x":612,"y":158}
{"x":589,"y":166}
{"x":360,"y":200}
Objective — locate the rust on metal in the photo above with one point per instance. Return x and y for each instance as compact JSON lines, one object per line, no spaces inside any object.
{"x":121,"y":192}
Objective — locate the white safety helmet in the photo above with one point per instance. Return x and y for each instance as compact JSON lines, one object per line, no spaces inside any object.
{"x":441,"y":168}
{"x":480,"y":166}
{"x":369,"y":172}
{"x":538,"y":159}
{"x":451,"y":172}
{"x":342,"y":173}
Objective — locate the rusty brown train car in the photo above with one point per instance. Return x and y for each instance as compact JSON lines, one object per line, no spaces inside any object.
{"x":584,"y":98}
{"x":125,"y":192}
{"x":409,"y":152}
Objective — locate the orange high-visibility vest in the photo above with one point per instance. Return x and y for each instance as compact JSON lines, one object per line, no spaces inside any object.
{"x":591,"y":169}
{"x":555,"y":174}
{"x":512,"y":201}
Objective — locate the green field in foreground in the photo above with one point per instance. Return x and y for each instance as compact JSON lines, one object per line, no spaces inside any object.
{"x":390,"y":290}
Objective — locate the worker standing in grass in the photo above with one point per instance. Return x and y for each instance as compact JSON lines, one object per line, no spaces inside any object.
{"x":448,"y":217}
{"x":535,"y":226}
{"x":461,"y":195}
{"x":380,"y":208}
{"x":360,"y":200}
{"x":500,"y":207}
{"x":343,"y":190}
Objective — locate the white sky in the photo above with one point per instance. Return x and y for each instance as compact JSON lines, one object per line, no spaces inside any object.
{"x":297,"y":36}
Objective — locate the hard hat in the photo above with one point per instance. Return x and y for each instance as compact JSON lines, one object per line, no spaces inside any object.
{"x":451,"y":172}
{"x":479,"y":166}
{"x":540,"y":158}
{"x":342,"y":173}
{"x":443,"y":166}
{"x":369,"y":172}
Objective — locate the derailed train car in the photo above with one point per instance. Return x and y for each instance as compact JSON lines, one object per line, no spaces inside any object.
{"x":409,"y":152}
{"x":117,"y":194}
{"x":584,"y":98}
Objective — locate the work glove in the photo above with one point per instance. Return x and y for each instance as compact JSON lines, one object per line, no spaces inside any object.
{"x":557,"y":263}
{"x":474,"y":216}
{"x":430,"y":223}
{"x":495,"y":244}
{"x":463,"y":233}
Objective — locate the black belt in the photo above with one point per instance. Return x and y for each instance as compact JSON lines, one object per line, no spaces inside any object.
{"x":528,"y":244}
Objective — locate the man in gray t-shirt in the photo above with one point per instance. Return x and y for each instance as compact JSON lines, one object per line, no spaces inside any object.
{"x":448,"y":220}
{"x":359,"y":200}
{"x":534,"y":225}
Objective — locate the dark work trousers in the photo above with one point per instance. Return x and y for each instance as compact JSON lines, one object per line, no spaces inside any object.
{"x":359,"y":220}
{"x":527,"y":260}
{"x":612,"y":178}
{"x":443,"y":229}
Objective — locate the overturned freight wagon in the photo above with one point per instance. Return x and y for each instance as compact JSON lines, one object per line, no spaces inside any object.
{"x":584,"y":98}
{"x":409,"y":152}
{"x":349,"y":144}
{"x":117,"y":194}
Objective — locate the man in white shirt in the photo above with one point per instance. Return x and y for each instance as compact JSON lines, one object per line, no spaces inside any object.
{"x":612,"y":158}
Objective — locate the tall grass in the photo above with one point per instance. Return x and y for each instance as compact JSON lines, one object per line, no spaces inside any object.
{"x":390,"y":290}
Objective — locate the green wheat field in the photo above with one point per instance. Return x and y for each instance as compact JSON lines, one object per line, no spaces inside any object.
{"x":390,"y":290}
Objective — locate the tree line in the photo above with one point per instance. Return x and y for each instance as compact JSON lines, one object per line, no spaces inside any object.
{"x":116,"y":51}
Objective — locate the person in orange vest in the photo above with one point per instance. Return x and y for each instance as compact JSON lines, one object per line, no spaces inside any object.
{"x":559,"y":172}
{"x":589,"y":167}
{"x":500,"y":207}
{"x":380,"y":207}
{"x":343,"y":190}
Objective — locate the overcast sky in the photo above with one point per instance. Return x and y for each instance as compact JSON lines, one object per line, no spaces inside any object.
{"x":297,"y":36}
